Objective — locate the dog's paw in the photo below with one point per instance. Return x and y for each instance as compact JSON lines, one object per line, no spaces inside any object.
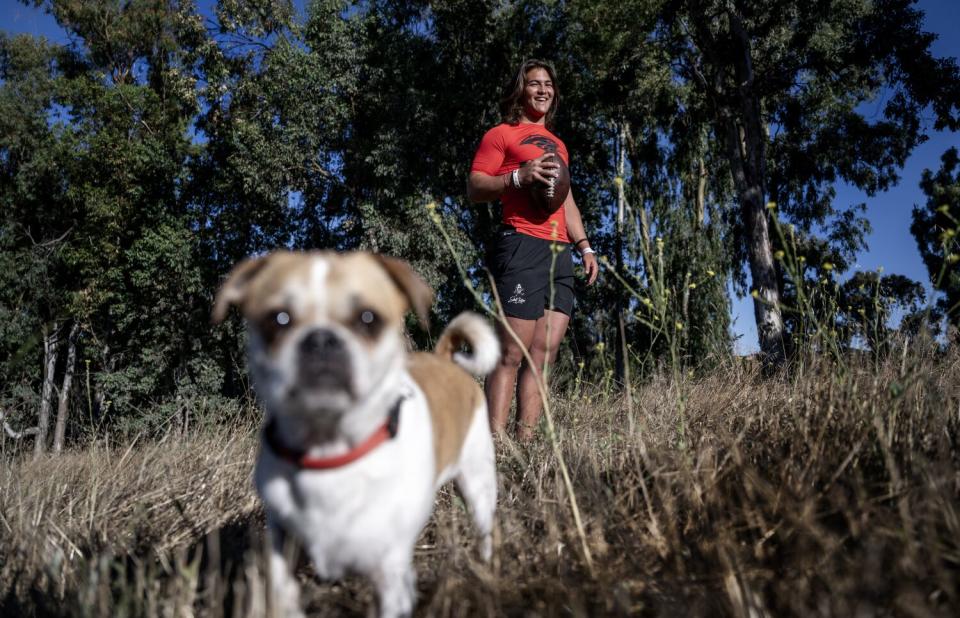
{"x":486,"y":547}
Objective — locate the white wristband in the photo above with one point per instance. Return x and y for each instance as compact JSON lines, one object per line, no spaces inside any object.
{"x":583,"y":252}
{"x":515,"y":177}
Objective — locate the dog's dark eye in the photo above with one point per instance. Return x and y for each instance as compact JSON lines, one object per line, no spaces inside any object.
{"x":275,"y":322}
{"x":368,"y":322}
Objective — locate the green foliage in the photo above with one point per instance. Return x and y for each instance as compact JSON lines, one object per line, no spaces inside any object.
{"x":936,"y":229}
{"x":95,"y":149}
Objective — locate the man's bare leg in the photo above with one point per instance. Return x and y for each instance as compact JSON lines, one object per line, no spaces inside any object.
{"x":542,"y":349}
{"x":501,"y":382}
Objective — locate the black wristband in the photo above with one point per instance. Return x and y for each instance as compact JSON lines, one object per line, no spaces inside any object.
{"x":576,"y":243}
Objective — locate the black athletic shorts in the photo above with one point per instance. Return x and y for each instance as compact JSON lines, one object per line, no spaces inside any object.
{"x":521,"y":269}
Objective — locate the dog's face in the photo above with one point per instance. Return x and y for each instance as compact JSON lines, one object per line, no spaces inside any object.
{"x":325,"y":328}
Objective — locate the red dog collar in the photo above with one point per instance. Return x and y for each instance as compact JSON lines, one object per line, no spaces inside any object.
{"x":387,"y":431}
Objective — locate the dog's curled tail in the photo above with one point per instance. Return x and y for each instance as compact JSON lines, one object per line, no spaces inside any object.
{"x":473,"y":331}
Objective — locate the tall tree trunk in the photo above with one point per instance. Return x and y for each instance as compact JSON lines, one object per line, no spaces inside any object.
{"x":51,"y":345}
{"x":750,"y":191}
{"x":63,"y":406}
{"x":746,"y":139}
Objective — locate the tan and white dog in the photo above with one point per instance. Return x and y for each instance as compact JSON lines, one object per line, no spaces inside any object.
{"x":359,"y":433}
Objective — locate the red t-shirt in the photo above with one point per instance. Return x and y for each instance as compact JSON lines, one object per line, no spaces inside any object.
{"x":502,"y":150}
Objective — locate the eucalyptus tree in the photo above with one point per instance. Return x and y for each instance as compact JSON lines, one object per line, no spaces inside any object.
{"x":867,"y":301}
{"x":790,"y":89}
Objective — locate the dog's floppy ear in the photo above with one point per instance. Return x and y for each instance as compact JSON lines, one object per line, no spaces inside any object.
{"x":418,"y":293}
{"x":234,"y":288}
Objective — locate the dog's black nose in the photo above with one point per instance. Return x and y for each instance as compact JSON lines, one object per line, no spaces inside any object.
{"x":324,"y":361}
{"x":321,"y":342}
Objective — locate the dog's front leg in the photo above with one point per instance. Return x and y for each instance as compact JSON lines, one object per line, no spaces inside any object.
{"x":284,"y":589}
{"x":396,"y":583}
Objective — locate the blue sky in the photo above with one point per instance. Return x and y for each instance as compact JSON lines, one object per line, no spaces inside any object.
{"x":890,"y":243}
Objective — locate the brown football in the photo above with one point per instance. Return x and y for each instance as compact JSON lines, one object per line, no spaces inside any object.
{"x":550,"y":198}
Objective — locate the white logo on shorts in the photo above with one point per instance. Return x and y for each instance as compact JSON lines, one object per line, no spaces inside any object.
{"x":517,"y":298}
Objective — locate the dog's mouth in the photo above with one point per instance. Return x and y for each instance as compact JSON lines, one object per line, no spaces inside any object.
{"x":324,"y":376}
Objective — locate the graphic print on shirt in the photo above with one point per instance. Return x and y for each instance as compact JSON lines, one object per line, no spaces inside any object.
{"x":518,"y":296}
{"x":541,"y":141}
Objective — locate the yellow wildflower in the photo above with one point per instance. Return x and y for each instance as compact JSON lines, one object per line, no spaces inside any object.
{"x":692,"y":286}
{"x":778,"y":254}
{"x":431,"y":206}
{"x":755,"y":293}
{"x":710,"y":273}
{"x":827,"y":266}
{"x":679,"y":325}
{"x":771,"y":205}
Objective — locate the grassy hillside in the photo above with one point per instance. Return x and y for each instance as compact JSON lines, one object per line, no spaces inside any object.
{"x":834,"y":491}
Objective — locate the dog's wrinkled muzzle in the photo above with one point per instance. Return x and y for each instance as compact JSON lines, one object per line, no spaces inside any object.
{"x":324,"y":362}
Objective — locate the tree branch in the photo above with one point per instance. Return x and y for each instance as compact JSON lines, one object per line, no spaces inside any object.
{"x":16,"y":435}
{"x":43,"y":244}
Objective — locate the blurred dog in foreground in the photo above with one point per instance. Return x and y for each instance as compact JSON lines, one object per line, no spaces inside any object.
{"x":359,"y":433}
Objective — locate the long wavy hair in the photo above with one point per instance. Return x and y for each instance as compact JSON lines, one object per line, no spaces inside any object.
{"x":511,"y":103}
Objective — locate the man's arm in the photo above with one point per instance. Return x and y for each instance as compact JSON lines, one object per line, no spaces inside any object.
{"x":486,"y":188}
{"x":578,"y":236}
{"x":483,"y":187}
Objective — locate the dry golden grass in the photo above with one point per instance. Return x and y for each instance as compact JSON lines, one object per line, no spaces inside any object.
{"x":834,"y":491}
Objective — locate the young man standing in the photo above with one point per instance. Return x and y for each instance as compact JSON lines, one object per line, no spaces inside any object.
{"x":511,"y":158}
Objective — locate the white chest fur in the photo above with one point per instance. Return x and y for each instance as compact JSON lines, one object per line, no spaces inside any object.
{"x":349,"y":519}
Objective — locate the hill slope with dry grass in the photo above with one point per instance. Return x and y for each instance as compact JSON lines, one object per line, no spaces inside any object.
{"x":834,"y":491}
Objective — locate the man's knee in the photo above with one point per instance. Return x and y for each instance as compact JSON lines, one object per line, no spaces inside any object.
{"x":539,"y":352}
{"x":511,"y":356}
